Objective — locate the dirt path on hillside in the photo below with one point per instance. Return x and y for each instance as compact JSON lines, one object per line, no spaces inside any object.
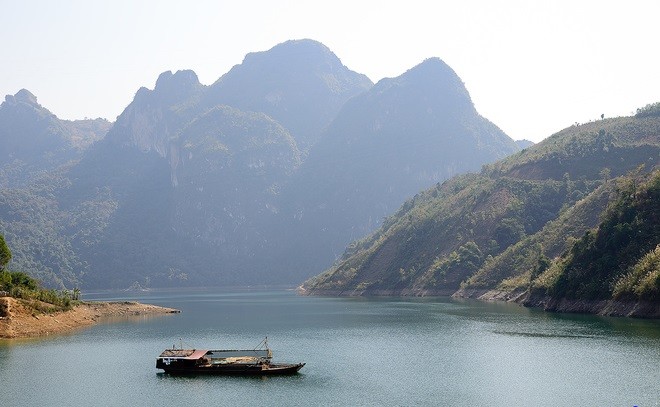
{"x":19,"y":320}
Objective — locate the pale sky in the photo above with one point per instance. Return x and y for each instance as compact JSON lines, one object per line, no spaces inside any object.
{"x":531,"y":67}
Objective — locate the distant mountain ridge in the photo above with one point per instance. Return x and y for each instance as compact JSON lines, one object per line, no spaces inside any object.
{"x":524,"y":143}
{"x":288,"y":83}
{"x":403,"y":135}
{"x":34,"y":139}
{"x":260,"y":178}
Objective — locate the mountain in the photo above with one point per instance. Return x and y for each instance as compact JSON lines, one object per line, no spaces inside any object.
{"x":36,"y":151}
{"x":403,"y":135}
{"x":232,"y":167}
{"x":299,"y":83}
{"x":196,"y":181}
{"x":183,"y":180}
{"x":493,"y":234}
{"x":34,"y":139}
{"x":155,"y":116}
{"x":260,"y":178}
{"x":524,"y":143}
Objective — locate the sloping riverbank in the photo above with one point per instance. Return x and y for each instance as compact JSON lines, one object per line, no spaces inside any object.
{"x":612,"y":308}
{"x":20,"y":319}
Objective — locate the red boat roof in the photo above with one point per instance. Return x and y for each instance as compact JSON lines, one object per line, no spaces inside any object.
{"x":198,"y":353}
{"x":184,"y":353}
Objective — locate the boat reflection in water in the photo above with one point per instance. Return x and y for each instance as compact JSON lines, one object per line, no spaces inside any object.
{"x":240,"y":362}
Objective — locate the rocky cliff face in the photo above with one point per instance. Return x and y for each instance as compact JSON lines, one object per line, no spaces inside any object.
{"x":155,"y":116}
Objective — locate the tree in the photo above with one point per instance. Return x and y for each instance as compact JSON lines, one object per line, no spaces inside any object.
{"x":5,"y":253}
{"x":605,"y":173}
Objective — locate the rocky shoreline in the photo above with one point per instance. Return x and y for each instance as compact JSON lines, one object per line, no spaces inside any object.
{"x":612,"y":308}
{"x":18,"y":319}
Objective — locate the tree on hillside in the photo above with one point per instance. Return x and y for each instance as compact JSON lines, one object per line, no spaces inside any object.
{"x":649,"y":110}
{"x":5,"y":253}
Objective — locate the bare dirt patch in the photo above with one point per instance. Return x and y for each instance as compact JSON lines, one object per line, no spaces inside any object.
{"x":20,"y":319}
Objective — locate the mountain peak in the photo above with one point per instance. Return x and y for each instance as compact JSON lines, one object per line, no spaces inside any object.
{"x":178,"y":85}
{"x":24,"y":96}
{"x":186,"y":77}
{"x":433,"y":81}
{"x":295,"y":53}
{"x":433,"y":68}
{"x":299,"y":83}
{"x":25,"y":101}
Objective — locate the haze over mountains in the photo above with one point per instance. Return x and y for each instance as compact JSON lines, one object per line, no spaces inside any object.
{"x":33,"y":139}
{"x":385,"y":145}
{"x":260,"y":178}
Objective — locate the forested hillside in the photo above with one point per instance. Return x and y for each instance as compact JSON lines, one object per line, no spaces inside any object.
{"x":497,"y":233}
{"x":617,"y":260}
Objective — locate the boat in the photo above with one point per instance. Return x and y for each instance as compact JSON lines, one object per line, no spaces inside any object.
{"x":229,"y":362}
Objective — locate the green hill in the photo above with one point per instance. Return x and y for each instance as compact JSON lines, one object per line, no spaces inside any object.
{"x":495,"y":233}
{"x":619,"y":258}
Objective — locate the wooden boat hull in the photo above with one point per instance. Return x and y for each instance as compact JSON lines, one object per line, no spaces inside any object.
{"x":234,"y":370}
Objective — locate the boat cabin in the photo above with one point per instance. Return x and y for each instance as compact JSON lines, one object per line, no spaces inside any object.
{"x":204,"y":357}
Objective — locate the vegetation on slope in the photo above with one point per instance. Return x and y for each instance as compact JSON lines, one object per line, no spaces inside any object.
{"x":643,"y":279}
{"x":508,"y":226}
{"x":527,"y":258}
{"x":619,"y":258}
{"x":36,"y":229}
{"x":20,"y":285}
{"x":446,"y":234}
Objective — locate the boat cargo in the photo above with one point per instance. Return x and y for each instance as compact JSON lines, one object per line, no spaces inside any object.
{"x":230,"y":362}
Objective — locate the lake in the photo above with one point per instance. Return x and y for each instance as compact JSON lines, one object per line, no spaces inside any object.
{"x":359,"y":352}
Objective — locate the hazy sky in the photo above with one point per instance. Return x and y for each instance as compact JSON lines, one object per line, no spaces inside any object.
{"x":531,"y":67}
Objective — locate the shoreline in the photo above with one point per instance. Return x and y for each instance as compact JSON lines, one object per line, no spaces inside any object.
{"x":602,"y":307}
{"x":609,"y":308}
{"x":19,"y":320}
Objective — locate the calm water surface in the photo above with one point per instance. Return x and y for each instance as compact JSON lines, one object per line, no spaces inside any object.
{"x":359,"y":352}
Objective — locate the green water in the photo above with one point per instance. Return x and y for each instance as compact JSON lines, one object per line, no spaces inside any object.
{"x":359,"y":352}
